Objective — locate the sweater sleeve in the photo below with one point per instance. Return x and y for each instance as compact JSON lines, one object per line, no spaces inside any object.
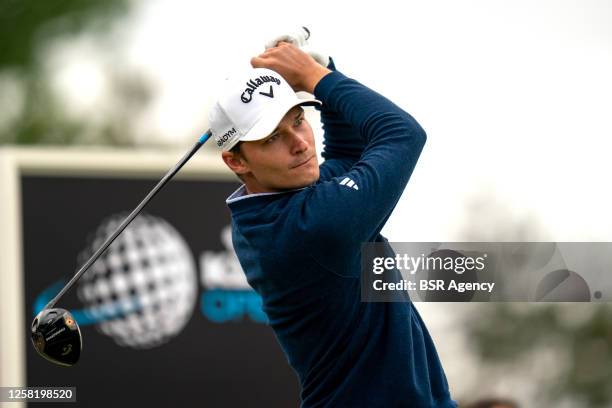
{"x":341,"y":139}
{"x":344,"y":211}
{"x":342,"y":143}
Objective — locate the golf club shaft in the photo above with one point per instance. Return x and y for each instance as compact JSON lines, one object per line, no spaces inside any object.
{"x":129,"y":218}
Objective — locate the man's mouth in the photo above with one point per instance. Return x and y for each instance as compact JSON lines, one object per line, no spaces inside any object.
{"x":303,"y":163}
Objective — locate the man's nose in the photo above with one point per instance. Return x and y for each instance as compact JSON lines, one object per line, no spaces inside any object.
{"x":299,"y":144}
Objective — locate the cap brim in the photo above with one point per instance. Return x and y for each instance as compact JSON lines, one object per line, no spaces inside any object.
{"x":272,"y":118}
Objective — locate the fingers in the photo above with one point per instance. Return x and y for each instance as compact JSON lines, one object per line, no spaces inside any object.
{"x":277,"y":40}
{"x":259,"y":62}
{"x":264,"y":60}
{"x":279,"y":46}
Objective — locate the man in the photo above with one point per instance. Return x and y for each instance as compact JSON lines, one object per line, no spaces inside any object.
{"x":297,"y":228}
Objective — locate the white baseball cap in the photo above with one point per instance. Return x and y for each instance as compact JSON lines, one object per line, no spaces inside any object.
{"x":251,"y":107}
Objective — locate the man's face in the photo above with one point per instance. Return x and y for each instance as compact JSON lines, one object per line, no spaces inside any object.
{"x":284,"y":160}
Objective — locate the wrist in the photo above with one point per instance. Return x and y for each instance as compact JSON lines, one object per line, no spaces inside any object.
{"x":312,"y":78}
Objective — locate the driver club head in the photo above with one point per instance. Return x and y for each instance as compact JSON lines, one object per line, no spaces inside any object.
{"x":57,"y":337}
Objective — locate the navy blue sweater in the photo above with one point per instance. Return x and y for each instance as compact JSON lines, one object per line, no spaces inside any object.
{"x":300,"y":250}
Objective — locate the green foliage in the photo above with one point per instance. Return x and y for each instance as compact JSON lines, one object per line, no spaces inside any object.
{"x":26,"y":25}
{"x":27,"y":29}
{"x":579,"y":334}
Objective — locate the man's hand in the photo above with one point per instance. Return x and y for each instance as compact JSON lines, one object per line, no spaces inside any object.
{"x":299,"y":36}
{"x":299,"y":69}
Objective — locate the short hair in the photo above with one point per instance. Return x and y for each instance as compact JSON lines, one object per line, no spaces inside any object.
{"x":236,"y":148}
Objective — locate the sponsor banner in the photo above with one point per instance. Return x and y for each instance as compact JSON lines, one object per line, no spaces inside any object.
{"x":166,"y":314}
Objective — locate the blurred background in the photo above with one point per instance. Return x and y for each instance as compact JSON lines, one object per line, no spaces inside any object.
{"x":515,"y":98}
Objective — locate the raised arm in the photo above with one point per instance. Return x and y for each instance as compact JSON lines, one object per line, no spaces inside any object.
{"x":345,"y":210}
{"x":340,"y":140}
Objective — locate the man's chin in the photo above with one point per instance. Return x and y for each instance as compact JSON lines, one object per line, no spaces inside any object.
{"x":297,"y":184}
{"x":301,"y":185}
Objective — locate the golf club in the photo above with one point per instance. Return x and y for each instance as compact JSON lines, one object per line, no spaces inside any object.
{"x":55,"y":333}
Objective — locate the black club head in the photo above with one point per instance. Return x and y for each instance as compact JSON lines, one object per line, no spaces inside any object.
{"x":57,"y":337}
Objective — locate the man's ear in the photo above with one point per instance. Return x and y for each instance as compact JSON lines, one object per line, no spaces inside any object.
{"x":236,"y":162}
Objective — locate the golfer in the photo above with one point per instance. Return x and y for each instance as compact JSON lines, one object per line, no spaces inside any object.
{"x":297,"y":228}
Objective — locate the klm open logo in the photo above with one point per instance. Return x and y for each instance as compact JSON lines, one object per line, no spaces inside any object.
{"x":143,"y":290}
{"x":227,"y":296}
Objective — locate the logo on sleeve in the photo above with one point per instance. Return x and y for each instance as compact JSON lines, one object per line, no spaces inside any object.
{"x":349,"y":183}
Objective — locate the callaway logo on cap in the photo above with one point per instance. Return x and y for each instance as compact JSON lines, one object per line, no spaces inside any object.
{"x":251,"y":107}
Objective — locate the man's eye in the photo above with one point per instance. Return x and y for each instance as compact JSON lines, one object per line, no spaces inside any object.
{"x":299,"y":121}
{"x":272,"y":138}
